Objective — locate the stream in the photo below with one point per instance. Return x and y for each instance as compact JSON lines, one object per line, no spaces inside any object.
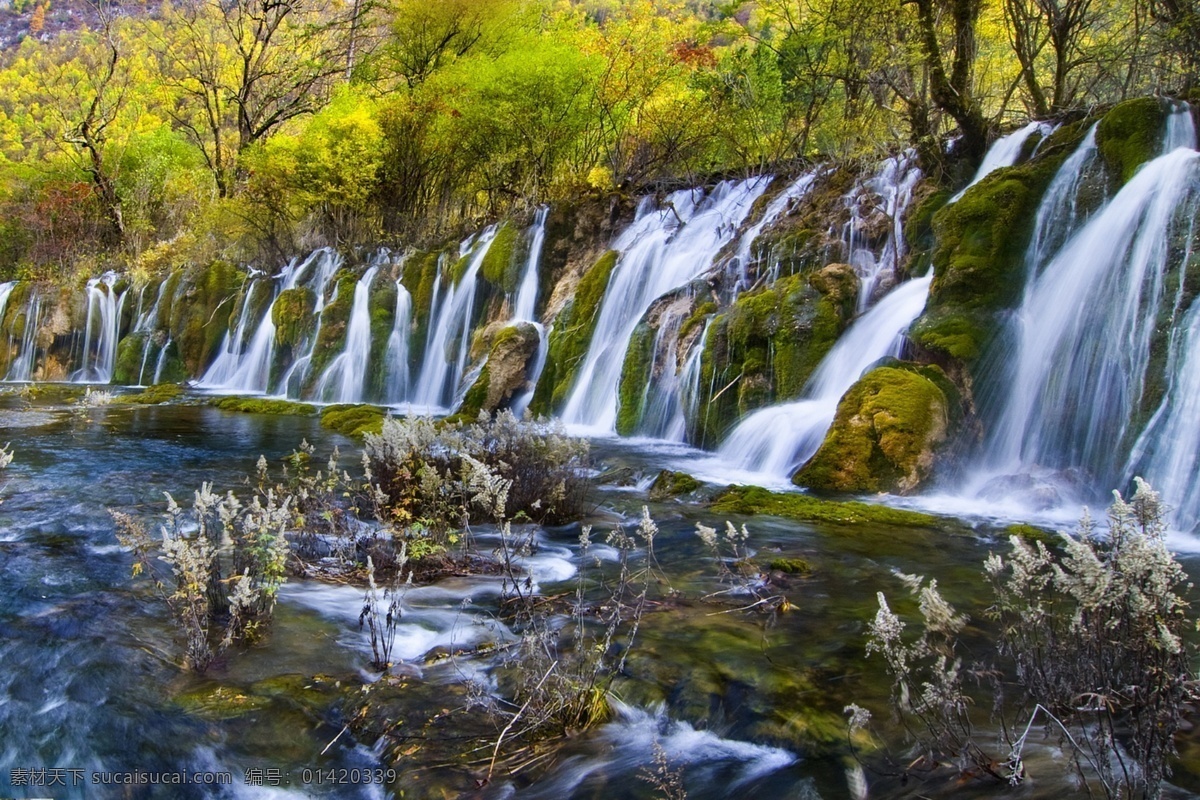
{"x":90,"y":687}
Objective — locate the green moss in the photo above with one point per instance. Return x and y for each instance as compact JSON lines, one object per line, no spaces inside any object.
{"x":766,"y":347}
{"x":571,"y":336}
{"x":204,"y":301}
{"x":420,"y":277}
{"x":883,"y":435}
{"x":129,"y":357}
{"x":220,"y":703}
{"x":293,"y":316}
{"x":263,"y":405}
{"x":353,"y":420}
{"x":697,"y":317}
{"x":500,"y":267}
{"x":670,"y":484}
{"x":790,"y":566}
{"x":331,"y":339}
{"x":636,"y":375}
{"x":752,"y":500}
{"x":1033,"y":534}
{"x":476,"y":397}
{"x":1129,"y":135}
{"x":154,"y":395}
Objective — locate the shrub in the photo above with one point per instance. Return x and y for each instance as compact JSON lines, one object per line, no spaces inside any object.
{"x":424,"y":469}
{"x":1094,"y":639}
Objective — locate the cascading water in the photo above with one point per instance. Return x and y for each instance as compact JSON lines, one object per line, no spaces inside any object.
{"x":445,"y":359}
{"x":1091,"y":319}
{"x":328,"y":262}
{"x":5,"y":290}
{"x":888,"y":192}
{"x":1005,"y":151}
{"x":22,"y":368}
{"x":103,"y":323}
{"x":145,"y":326}
{"x":662,"y":250}
{"x":244,"y":365}
{"x":526,"y":303}
{"x":342,"y":381}
{"x":396,"y":376}
{"x":776,"y":440}
{"x":778,"y":205}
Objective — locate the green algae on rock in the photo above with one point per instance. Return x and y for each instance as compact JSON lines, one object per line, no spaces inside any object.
{"x":264,"y":405}
{"x":751,"y":500}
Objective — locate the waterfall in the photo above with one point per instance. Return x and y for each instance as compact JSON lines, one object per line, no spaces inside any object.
{"x":777,"y":440}
{"x":1086,"y":326}
{"x":104,"y":318}
{"x":22,"y":368}
{"x":347,"y":373}
{"x":662,"y":250}
{"x":1005,"y":151}
{"x":244,"y":365}
{"x":445,"y":360}
{"x":521,"y":401}
{"x":396,"y":376}
{"x":328,"y":263}
{"x":161,"y":361}
{"x":888,"y":191}
{"x":662,"y":404}
{"x":1093,"y":314}
{"x":5,"y":290}
{"x":526,"y":304}
{"x":145,"y":325}
{"x":778,"y":205}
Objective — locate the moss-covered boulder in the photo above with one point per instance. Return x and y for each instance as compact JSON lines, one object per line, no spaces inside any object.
{"x":884,"y":437}
{"x":292,"y":314}
{"x":751,"y":500}
{"x":354,"y":421}
{"x":500,"y":265}
{"x":572,"y":335}
{"x":264,"y":405}
{"x":202,"y":303}
{"x":978,"y":253}
{"x":1129,"y":135}
{"x":331,"y":338}
{"x":505,"y":373}
{"x":766,"y":347}
{"x":154,"y":395}
{"x":669,"y":485}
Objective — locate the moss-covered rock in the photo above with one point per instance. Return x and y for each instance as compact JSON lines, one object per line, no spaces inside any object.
{"x":750,"y":500}
{"x":203,"y":302}
{"x":766,"y":347}
{"x":1129,"y":135}
{"x":500,"y":266}
{"x":293,"y":316}
{"x":264,"y":405}
{"x":884,"y":436}
{"x":636,"y":377}
{"x":131,"y":353}
{"x":331,"y":338}
{"x":572,"y":335}
{"x":354,"y":421}
{"x":790,"y":566}
{"x":669,"y":485}
{"x":154,"y":395}
{"x":504,"y":374}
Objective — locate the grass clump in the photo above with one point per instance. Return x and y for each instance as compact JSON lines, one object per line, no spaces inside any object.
{"x":264,"y":405}
{"x":752,"y":500}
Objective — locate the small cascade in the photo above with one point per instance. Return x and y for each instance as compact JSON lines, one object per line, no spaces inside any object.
{"x":5,"y":290}
{"x":327,"y":262}
{"x":161,"y":362}
{"x":777,"y":440}
{"x":145,"y":326}
{"x":22,"y":368}
{"x":396,"y":378}
{"x":888,"y":193}
{"x":526,"y":303}
{"x":689,"y":376}
{"x":662,"y":250}
{"x":102,"y":327}
{"x":1088,"y":326}
{"x":342,"y":381}
{"x":662,"y":402}
{"x":244,"y":363}
{"x":1005,"y":151}
{"x":1058,"y":214}
{"x":778,"y":205}
{"x":450,"y":324}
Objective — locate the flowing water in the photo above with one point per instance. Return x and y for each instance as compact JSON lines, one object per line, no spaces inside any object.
{"x":664,"y":249}
{"x":1005,"y":151}
{"x":342,"y":381}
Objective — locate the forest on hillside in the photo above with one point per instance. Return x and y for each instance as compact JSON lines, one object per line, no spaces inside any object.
{"x":246,"y":130}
